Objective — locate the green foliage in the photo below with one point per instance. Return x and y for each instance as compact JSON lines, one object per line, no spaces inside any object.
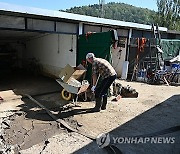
{"x":168,"y":14}
{"x":117,"y":11}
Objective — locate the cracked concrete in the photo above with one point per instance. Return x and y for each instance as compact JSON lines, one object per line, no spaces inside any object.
{"x":26,"y":128}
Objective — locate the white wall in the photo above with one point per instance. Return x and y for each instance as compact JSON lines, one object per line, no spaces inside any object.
{"x":52,"y":51}
{"x":118,"y":57}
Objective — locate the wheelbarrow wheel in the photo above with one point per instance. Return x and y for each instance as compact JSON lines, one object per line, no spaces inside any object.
{"x":66,"y":95}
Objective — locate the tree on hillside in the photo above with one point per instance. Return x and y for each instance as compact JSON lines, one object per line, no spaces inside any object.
{"x":117,"y":11}
{"x":168,"y":14}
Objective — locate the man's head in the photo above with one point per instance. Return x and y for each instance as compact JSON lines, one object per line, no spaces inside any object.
{"x":90,"y":57}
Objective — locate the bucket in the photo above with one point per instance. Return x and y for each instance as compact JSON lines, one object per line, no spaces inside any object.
{"x":124,"y":70}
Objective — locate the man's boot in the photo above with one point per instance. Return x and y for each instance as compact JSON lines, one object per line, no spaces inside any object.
{"x":104,"y":103}
{"x":97,"y":107}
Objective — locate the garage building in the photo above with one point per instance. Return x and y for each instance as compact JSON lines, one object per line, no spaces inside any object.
{"x":35,"y":39}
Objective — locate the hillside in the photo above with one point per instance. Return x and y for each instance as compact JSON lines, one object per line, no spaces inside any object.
{"x":117,"y":11}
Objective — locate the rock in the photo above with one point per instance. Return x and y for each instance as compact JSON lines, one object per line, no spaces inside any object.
{"x":5,"y":125}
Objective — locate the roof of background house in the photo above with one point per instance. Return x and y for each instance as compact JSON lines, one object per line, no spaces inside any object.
{"x":173,"y":32}
{"x":71,"y":16}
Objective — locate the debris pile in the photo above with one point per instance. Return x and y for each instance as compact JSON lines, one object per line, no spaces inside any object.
{"x":5,"y":148}
{"x":124,"y":91}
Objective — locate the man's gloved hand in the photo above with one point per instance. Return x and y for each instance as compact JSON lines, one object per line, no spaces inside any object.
{"x":93,"y":88}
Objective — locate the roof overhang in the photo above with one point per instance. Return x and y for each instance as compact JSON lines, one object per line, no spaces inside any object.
{"x":71,"y":16}
{"x":173,"y":32}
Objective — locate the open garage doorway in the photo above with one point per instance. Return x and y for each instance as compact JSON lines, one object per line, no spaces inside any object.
{"x":30,"y":61}
{"x":13,"y":50}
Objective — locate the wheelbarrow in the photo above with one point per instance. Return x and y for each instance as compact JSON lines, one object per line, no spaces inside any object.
{"x":72,"y":87}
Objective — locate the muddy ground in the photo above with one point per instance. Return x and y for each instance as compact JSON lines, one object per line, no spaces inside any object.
{"x":26,"y":128}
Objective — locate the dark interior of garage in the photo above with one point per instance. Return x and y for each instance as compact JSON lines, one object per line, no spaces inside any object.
{"x":20,"y":75}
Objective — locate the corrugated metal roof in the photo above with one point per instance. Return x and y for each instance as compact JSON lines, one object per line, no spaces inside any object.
{"x":71,"y":16}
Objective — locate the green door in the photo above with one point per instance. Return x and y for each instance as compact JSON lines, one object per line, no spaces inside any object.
{"x":97,"y":43}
